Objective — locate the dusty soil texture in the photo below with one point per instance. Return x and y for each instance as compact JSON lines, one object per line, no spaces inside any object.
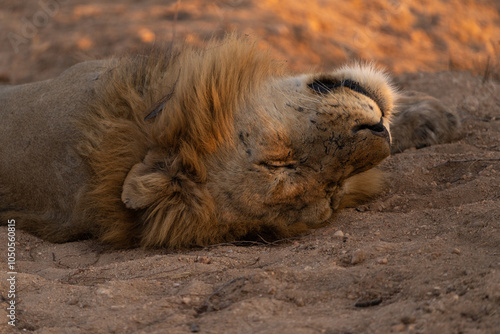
{"x":424,"y":257}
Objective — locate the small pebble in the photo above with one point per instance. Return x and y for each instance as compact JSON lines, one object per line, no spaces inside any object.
{"x":299,"y":302}
{"x":382,"y":261}
{"x":194,"y":328}
{"x":104,"y":291}
{"x":399,"y":328}
{"x":456,"y":251}
{"x":339,"y":234}
{"x":358,"y":256}
{"x":408,"y":320}
{"x":203,"y":259}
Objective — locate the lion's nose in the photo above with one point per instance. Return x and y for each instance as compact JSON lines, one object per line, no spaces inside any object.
{"x":376,"y":129}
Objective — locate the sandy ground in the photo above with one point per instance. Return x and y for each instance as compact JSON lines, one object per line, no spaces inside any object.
{"x":424,"y":257}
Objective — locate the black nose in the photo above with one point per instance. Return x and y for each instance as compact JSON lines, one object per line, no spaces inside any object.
{"x":376,"y":129}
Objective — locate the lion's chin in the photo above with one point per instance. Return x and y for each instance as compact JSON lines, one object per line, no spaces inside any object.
{"x":316,"y":213}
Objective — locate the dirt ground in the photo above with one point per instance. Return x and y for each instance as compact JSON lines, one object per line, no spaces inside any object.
{"x":424,"y":257}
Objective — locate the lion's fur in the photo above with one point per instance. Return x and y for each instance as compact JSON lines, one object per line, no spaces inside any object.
{"x":182,"y":147}
{"x":41,"y":173}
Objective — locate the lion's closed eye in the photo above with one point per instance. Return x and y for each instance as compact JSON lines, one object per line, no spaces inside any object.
{"x":273,"y":164}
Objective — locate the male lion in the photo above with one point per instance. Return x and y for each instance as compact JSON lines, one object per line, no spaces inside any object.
{"x":183,"y":147}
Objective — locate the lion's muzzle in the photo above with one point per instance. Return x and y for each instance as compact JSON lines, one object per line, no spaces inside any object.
{"x":378,"y":129}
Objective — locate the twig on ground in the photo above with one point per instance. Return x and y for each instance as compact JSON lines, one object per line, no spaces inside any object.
{"x":204,"y":307}
{"x":461,"y":161}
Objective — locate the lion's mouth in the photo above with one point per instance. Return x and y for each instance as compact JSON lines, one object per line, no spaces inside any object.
{"x":378,"y":129}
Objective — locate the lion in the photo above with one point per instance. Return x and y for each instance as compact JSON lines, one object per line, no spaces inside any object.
{"x":181,"y":147}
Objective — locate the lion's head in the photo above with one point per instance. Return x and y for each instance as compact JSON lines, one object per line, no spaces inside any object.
{"x":280,"y":160}
{"x":306,"y":136}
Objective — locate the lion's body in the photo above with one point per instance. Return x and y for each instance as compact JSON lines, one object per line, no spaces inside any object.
{"x":184,"y":147}
{"x":41,"y":174}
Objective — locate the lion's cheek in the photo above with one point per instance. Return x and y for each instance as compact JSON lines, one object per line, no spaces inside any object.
{"x":284,"y":190}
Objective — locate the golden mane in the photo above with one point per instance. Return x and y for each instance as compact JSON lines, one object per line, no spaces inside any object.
{"x":177,"y":101}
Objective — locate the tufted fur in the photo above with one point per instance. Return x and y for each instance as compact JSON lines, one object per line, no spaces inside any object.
{"x":423,"y":121}
{"x":184,"y":147}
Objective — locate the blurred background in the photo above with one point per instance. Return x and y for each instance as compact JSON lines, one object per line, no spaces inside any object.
{"x":41,"y":38}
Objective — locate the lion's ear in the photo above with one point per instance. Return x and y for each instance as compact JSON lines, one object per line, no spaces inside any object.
{"x":143,"y":186}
